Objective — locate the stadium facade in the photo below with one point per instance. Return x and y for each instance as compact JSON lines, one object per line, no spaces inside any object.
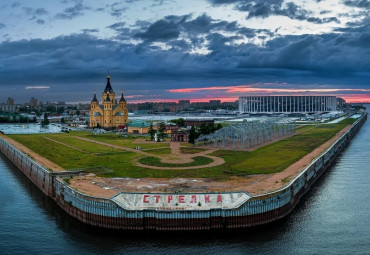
{"x":287,"y":104}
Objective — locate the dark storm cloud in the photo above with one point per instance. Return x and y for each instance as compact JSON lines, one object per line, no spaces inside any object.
{"x":2,"y":25}
{"x":117,"y":26}
{"x":267,"y":8}
{"x":216,"y":2}
{"x":264,"y":9}
{"x":324,"y":55}
{"x":70,"y":53}
{"x":322,"y":21}
{"x":171,"y":27}
{"x":162,"y":30}
{"x":72,"y":12}
{"x":336,"y":58}
{"x":204,"y":24}
{"x":90,"y":30}
{"x":357,"y":26}
{"x":35,"y":14}
{"x":358,"y":3}
{"x":40,"y":21}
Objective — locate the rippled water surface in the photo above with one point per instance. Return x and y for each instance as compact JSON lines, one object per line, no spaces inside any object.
{"x":333,"y":218}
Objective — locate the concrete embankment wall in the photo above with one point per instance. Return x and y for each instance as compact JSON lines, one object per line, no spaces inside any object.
{"x":38,"y":174}
{"x":110,"y":214}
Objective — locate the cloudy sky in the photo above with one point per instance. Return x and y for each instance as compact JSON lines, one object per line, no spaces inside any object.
{"x":161,"y":50}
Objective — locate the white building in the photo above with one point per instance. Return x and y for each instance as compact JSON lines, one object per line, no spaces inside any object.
{"x":287,"y":104}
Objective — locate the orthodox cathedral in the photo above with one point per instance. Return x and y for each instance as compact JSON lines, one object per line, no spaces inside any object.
{"x":110,"y":113}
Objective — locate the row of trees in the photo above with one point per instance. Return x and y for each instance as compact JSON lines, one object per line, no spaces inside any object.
{"x":179,"y":122}
{"x":160,"y":131}
{"x":194,"y":133}
{"x":202,"y":130}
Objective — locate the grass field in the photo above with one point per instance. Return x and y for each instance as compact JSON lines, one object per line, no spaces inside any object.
{"x":95,"y":157}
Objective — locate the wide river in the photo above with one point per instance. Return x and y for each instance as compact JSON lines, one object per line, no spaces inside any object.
{"x":333,"y":218}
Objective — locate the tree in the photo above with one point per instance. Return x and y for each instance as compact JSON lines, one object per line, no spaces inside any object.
{"x":34,"y":119}
{"x":192,"y":135}
{"x":45,"y":122}
{"x":60,"y":109}
{"x":161,"y":130}
{"x":151,"y":132}
{"x":179,"y":122}
{"x":51,"y":108}
{"x":203,"y":129}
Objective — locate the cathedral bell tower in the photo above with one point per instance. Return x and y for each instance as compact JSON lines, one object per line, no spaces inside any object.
{"x":122,"y":102}
{"x":94,"y":102}
{"x":109,"y":91}
{"x":107,"y":108}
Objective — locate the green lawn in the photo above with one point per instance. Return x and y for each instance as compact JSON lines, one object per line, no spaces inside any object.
{"x":277,"y":156}
{"x":83,"y":145}
{"x":158,"y":151}
{"x":122,"y":141}
{"x":116,"y":163}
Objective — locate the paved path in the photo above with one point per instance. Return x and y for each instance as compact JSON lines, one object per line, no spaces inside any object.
{"x":176,"y":157}
{"x":67,"y":145}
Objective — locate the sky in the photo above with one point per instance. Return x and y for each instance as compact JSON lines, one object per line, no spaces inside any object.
{"x":165,"y":50}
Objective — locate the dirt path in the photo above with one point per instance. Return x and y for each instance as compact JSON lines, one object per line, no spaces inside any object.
{"x":176,"y":157}
{"x":216,"y":162}
{"x":39,"y":159}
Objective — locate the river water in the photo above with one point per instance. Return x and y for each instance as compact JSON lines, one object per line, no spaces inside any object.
{"x":333,"y":218}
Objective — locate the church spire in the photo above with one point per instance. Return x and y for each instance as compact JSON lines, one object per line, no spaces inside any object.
{"x":94,"y":99}
{"x":122,"y":98}
{"x":108,"y":87}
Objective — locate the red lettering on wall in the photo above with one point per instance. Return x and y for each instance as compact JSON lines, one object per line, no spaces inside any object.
{"x":145,"y":199}
{"x":206,"y":199}
{"x":169,"y":198}
{"x":181,"y":199}
{"x":157,"y":198}
{"x":193,"y":199}
{"x":219,"y":199}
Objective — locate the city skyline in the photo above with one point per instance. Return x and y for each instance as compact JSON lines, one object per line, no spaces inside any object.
{"x":170,"y":50}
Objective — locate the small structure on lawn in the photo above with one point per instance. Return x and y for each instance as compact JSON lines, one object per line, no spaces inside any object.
{"x":180,"y":136}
